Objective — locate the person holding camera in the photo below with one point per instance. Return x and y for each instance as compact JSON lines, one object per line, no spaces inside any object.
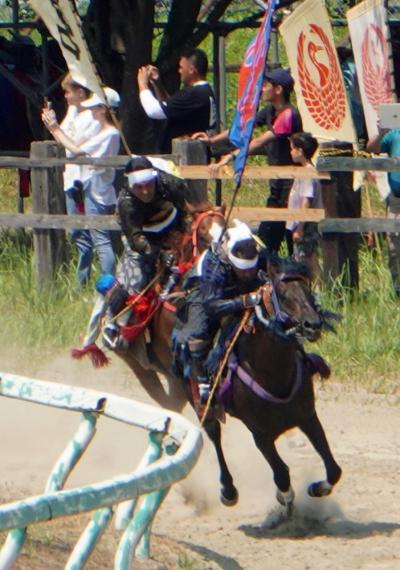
{"x":96,"y":183}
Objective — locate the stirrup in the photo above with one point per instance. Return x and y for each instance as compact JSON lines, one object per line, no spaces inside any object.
{"x":204,"y":392}
{"x":111,"y":336}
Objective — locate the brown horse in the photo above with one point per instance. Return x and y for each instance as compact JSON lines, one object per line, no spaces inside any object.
{"x":147,"y":360}
{"x":270,"y":382}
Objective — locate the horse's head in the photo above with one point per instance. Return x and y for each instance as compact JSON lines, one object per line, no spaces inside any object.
{"x":207,"y":223}
{"x":288,"y":305}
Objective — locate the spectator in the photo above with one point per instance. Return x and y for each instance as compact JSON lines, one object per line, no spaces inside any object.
{"x":189,"y":110}
{"x":388,"y":141}
{"x":305,"y":193}
{"x":281,"y":120}
{"x":78,"y":125}
{"x":99,"y":196}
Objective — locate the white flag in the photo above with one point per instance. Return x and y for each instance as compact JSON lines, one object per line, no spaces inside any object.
{"x":370,"y":41}
{"x":319,"y":86}
{"x":63,"y":23}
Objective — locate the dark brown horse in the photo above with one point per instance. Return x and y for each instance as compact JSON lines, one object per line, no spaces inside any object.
{"x":271,"y":380}
{"x":270,"y":384}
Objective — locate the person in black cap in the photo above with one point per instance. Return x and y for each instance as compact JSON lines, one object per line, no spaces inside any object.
{"x":281,"y":119}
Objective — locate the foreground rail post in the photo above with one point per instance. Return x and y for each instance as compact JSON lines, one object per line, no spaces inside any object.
{"x":170,"y":434}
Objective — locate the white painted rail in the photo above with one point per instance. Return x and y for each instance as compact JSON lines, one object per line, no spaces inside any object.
{"x":174,"y":447}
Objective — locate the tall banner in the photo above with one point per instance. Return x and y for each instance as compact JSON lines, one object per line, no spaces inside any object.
{"x":370,"y":39}
{"x":63,"y":23}
{"x":319,"y":86}
{"x":251,"y":79}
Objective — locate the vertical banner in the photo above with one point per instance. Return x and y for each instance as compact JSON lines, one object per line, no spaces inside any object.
{"x":63,"y":23}
{"x":250,"y":84}
{"x":370,"y":40}
{"x":319,"y":86}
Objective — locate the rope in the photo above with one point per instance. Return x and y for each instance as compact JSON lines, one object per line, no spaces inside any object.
{"x":218,"y":375}
{"x":140,"y":295}
{"x":333,"y":151}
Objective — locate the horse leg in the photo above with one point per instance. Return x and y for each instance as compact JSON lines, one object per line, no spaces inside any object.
{"x":315,"y":433}
{"x":284,"y":493}
{"x":229,"y":495}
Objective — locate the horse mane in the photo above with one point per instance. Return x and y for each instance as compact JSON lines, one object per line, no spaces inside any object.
{"x":288,"y":265}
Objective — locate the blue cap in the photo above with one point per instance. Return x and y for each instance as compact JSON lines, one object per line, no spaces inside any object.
{"x":105,"y":282}
{"x":280,"y":76}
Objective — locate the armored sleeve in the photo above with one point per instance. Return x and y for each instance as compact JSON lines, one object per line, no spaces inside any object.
{"x":131,"y":222}
{"x":215,"y":287}
{"x":173,"y":188}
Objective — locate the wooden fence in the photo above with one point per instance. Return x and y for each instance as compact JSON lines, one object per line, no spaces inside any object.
{"x":49,"y":220}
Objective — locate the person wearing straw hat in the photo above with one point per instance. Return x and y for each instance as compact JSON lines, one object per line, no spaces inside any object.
{"x":99,"y":196}
{"x":223,"y":282}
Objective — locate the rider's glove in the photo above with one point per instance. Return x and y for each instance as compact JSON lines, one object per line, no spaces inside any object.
{"x":250,"y":300}
{"x":167,"y":258}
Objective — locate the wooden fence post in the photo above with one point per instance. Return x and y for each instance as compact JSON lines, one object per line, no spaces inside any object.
{"x":340,"y":251}
{"x":47,"y":198}
{"x":193,"y":152}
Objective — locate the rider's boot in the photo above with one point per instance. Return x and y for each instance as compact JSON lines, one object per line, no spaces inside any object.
{"x":198,"y":353}
{"x":173,"y":279}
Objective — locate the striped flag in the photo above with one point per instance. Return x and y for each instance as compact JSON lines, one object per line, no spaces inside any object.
{"x":250,"y":84}
{"x":63,"y":23}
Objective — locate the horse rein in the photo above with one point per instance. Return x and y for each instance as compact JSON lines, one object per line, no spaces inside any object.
{"x":271,"y":300}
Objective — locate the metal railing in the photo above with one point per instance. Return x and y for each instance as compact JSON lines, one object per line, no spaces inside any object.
{"x":174,"y":447}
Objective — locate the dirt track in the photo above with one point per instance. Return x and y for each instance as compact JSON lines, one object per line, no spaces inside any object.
{"x":358,"y":528}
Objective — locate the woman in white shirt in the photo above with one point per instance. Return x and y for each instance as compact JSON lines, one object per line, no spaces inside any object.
{"x":99,"y":196}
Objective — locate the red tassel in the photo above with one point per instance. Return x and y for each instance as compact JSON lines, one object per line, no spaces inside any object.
{"x":96,"y":355}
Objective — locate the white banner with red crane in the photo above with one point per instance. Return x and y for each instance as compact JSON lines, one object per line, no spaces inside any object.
{"x":370,"y":39}
{"x":319,"y":86}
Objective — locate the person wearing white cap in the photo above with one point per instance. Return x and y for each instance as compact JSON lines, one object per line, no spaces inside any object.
{"x":151,"y":208}
{"x":224,"y":282}
{"x":99,"y":196}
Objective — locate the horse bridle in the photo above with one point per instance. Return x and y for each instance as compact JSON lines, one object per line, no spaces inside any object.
{"x":198,"y":218}
{"x":272,"y":304}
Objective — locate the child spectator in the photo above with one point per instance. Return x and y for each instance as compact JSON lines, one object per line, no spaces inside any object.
{"x":305,"y":193}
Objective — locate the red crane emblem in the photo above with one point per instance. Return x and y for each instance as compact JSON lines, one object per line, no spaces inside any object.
{"x":320,"y":78}
{"x":375,"y":69}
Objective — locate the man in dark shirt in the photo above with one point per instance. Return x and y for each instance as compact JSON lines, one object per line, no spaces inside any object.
{"x":281,"y":120}
{"x":189,"y":110}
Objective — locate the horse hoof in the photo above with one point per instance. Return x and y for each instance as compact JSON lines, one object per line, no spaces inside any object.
{"x":229,"y":499}
{"x":319,"y":489}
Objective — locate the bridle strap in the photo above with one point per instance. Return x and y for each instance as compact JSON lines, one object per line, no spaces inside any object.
{"x":199,"y":217}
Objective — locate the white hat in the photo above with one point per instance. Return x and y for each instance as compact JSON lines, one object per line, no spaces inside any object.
{"x":111,"y":97}
{"x":241,"y":232}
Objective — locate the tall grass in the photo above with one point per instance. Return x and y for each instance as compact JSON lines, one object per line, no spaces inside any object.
{"x":32,"y":318}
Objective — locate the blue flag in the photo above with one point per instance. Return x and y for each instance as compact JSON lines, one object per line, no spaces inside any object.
{"x":249,"y":91}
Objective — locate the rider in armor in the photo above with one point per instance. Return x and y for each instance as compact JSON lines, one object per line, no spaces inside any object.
{"x":151,"y":211}
{"x":223,"y":282}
